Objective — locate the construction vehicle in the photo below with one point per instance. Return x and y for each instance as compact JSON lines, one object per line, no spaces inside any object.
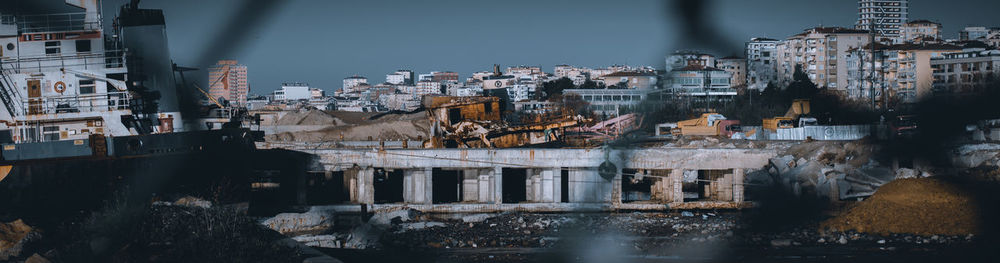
{"x":797,"y":116}
{"x":709,"y":124}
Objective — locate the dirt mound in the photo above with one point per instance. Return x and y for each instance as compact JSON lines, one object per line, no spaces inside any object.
{"x":312,"y":117}
{"x":922,"y":206}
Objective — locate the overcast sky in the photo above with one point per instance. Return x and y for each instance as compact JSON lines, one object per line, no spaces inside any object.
{"x":321,"y":42}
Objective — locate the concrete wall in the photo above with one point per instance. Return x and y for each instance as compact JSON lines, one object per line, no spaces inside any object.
{"x":482,"y":172}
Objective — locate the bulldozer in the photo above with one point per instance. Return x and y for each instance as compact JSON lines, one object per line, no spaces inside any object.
{"x":797,"y":116}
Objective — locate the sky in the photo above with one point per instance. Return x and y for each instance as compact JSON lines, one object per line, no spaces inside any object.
{"x":321,"y":42}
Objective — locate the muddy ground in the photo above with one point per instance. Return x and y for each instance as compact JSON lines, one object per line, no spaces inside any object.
{"x":645,"y":237}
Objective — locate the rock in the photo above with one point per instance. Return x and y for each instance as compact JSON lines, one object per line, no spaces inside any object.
{"x":842,"y":240}
{"x":781,"y":242}
{"x":476,"y":218}
{"x":881,"y":241}
{"x":298,"y":222}
{"x":687,"y":214}
{"x":420,"y":225}
{"x":36,"y":258}
{"x":386,"y":218}
{"x":906,"y":173}
{"x":190,"y":201}
{"x":13,"y":237}
{"x":326,"y":241}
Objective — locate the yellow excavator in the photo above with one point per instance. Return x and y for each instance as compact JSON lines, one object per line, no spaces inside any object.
{"x":795,"y":117}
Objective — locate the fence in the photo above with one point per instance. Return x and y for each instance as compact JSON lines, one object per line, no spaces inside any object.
{"x":822,"y":133}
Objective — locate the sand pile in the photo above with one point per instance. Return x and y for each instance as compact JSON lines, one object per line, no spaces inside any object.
{"x":923,"y":206}
{"x":311,"y":117}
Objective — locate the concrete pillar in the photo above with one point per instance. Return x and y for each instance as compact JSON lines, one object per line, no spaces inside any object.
{"x":676,"y":181}
{"x":529,"y":185}
{"x":497,"y":185}
{"x":548,"y":186}
{"x":470,"y":185}
{"x":351,"y":176}
{"x":428,"y":185}
{"x":366,"y":186}
{"x":485,"y":186}
{"x":536,"y":188}
{"x":412,"y":185}
{"x":557,"y":185}
{"x":739,"y":176}
{"x":417,"y":186}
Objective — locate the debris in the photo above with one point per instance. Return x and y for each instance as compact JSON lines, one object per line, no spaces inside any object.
{"x":781,"y":242}
{"x":387,"y":218}
{"x":13,"y":237}
{"x":191,"y":201}
{"x":476,"y":218}
{"x":687,"y":214}
{"x":301,"y":222}
{"x":842,"y":240}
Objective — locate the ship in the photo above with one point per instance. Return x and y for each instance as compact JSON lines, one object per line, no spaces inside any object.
{"x":88,"y":111}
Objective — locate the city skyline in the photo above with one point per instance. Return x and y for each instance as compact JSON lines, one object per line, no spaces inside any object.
{"x":365,"y":38}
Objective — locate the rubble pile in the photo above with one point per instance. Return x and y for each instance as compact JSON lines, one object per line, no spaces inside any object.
{"x":831,"y":170}
{"x":409,"y":126}
{"x":13,"y":237}
{"x":923,"y":206}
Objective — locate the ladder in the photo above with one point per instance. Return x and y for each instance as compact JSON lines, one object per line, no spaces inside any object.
{"x":8,"y":93}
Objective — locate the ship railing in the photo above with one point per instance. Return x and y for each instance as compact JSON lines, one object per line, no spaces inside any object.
{"x":108,"y":59}
{"x":55,"y":23}
{"x":98,"y":102}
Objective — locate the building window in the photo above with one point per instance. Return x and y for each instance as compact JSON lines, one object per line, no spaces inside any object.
{"x":83,"y":46}
{"x":87,"y":86}
{"x":52,"y":48}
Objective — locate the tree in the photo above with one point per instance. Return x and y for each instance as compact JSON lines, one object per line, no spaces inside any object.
{"x":556,"y":87}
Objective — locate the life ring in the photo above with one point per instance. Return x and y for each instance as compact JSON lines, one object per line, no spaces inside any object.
{"x":59,"y":87}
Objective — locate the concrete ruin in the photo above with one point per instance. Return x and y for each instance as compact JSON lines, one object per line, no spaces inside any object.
{"x":540,"y":180}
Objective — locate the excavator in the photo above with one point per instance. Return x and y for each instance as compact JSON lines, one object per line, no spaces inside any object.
{"x":797,"y":116}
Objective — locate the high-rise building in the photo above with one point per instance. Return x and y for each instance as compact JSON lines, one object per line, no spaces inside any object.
{"x":228,"y":80}
{"x":888,"y":16}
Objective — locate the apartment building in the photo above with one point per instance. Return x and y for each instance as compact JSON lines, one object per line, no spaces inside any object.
{"x":820,"y":52}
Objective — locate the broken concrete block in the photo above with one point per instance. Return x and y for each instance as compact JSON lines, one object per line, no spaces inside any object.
{"x":299,"y":222}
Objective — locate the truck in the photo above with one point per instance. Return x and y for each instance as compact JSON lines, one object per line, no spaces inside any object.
{"x":797,"y":116}
{"x":709,"y":124}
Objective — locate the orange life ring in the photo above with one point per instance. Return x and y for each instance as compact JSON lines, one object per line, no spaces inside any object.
{"x":59,"y":87}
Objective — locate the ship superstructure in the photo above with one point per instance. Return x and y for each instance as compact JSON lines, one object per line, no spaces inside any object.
{"x":70,"y":89}
{"x":59,"y":78}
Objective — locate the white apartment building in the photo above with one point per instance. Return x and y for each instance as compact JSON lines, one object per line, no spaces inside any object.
{"x":761,"y":64}
{"x":352,"y":82}
{"x":293,"y":91}
{"x":395,"y":79}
